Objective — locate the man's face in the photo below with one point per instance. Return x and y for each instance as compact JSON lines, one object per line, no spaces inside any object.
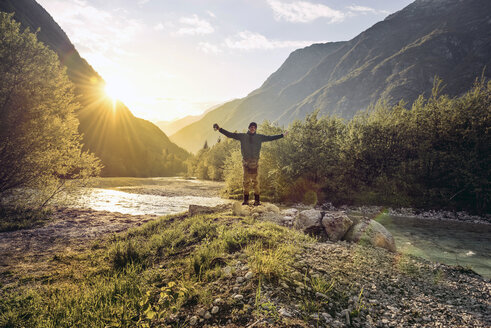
{"x":252,"y":129}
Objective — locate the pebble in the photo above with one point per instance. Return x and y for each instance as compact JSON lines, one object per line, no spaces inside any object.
{"x":227,"y":270}
{"x":215,"y":310}
{"x":240,"y":280}
{"x":249,"y":275}
{"x":207,"y":315}
{"x":327,"y":317}
{"x":217,"y":301}
{"x":238,"y":297}
{"x":284,"y":313}
{"x":193,"y":321}
{"x":201,"y":312}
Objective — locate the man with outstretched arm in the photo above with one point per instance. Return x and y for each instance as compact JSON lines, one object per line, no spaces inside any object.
{"x":250,"y":147}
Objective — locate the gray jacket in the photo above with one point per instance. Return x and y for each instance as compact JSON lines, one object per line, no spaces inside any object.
{"x":250,"y":144}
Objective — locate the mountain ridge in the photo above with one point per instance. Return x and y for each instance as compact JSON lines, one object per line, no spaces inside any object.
{"x":396,"y":59}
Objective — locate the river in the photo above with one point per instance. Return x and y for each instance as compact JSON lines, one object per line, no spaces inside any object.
{"x":449,"y":242}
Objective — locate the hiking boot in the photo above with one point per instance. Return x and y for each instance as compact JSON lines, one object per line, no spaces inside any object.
{"x":246,"y":200}
{"x":256,"y":200}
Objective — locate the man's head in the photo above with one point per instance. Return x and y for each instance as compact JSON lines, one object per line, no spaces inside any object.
{"x":252,"y":127}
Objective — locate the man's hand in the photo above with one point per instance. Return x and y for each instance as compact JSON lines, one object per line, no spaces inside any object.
{"x":285,"y":133}
{"x":216,"y":127}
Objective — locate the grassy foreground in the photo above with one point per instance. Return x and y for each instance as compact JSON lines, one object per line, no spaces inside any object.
{"x":227,"y":271}
{"x":147,"y":275}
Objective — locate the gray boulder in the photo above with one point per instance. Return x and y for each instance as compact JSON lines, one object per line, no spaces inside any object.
{"x":309,"y":221}
{"x":336,"y":224}
{"x":373,"y":233}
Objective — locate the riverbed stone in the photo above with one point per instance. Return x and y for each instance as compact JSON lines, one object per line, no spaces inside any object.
{"x":373,"y":233}
{"x":336,"y":224}
{"x":309,"y":220}
{"x":193,"y":321}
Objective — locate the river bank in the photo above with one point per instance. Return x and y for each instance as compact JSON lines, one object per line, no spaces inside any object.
{"x":222,"y":270}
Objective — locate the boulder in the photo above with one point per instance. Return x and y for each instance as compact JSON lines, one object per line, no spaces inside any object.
{"x":292,"y":212}
{"x":336,"y":225}
{"x":309,"y":220}
{"x":373,"y":233}
{"x":247,"y":210}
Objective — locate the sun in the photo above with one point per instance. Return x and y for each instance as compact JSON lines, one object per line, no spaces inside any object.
{"x":113,"y":91}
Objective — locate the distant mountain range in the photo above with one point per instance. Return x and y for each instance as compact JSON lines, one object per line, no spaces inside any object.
{"x":127,"y":145}
{"x":396,"y":59}
{"x":171,"y":127}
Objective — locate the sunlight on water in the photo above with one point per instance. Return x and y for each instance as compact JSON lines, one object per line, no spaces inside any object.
{"x":138,"y":204}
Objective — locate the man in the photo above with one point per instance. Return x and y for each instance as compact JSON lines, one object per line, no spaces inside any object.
{"x":250,"y":147}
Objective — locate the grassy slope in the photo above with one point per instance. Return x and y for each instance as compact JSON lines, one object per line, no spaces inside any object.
{"x":167,"y":271}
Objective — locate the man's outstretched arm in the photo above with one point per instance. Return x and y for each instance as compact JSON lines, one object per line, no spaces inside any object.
{"x":275,"y":137}
{"x":225,"y":132}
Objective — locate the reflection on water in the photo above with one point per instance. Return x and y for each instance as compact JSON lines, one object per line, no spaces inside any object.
{"x":137,"y":204}
{"x":449,"y":242}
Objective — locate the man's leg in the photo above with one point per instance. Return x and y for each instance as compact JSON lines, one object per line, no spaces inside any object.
{"x":247,"y":186}
{"x":255,"y":185}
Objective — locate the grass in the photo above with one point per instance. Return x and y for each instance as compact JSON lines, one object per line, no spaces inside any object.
{"x":147,"y":275}
{"x":17,"y":218}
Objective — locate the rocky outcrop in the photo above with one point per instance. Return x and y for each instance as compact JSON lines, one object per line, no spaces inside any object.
{"x":372,"y":233}
{"x":333,"y":225}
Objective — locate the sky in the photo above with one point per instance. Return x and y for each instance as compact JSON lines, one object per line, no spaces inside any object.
{"x":166,"y":59}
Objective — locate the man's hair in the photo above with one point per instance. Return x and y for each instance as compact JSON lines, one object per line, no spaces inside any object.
{"x":253,"y":124}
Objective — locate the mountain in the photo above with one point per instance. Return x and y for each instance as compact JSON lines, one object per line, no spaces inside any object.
{"x":395,"y":59}
{"x":171,"y":127}
{"x":127,"y":145}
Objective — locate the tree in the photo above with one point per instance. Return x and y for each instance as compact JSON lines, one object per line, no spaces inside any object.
{"x":40,"y":147}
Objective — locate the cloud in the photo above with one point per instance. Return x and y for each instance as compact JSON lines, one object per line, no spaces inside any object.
{"x":209,"y":48}
{"x":365,"y":10}
{"x":88,"y":27}
{"x":304,"y":12}
{"x":211,"y":14}
{"x":194,"y":26}
{"x":247,"y":40}
{"x":159,"y":27}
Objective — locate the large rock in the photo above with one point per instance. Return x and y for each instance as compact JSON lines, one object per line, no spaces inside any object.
{"x":247,"y":210}
{"x":309,"y":221}
{"x":336,"y":225}
{"x":373,"y":233}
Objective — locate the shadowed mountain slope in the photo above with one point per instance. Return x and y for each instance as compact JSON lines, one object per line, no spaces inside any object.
{"x":396,"y":59}
{"x":127,"y":145}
